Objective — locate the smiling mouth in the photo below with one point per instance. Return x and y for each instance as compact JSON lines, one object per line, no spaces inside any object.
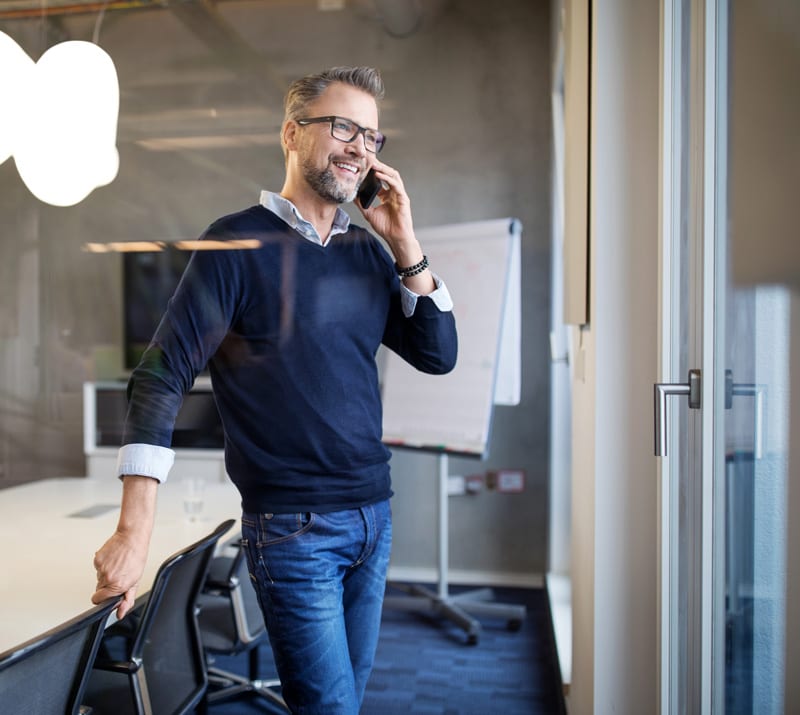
{"x":348,"y":167}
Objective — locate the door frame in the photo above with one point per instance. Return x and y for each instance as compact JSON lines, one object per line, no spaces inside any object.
{"x":690,"y":171}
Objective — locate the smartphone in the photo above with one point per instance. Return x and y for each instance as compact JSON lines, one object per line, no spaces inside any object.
{"x":369,"y":189}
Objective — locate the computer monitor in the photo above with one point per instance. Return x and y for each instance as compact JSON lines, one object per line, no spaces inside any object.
{"x":149,"y":279}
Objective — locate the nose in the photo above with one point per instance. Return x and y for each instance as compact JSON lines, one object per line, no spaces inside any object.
{"x":357,"y":147}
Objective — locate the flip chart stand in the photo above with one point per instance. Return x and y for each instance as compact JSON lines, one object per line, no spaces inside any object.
{"x":481,"y":264}
{"x":460,"y":608}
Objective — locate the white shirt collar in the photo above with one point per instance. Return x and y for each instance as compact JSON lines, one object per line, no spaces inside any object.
{"x":286,"y":210}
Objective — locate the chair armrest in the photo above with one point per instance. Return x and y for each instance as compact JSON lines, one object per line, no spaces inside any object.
{"x":117,"y":666}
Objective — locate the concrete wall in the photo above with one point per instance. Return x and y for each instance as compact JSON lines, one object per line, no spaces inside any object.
{"x":468,"y":120}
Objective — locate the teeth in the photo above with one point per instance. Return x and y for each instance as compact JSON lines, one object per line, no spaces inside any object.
{"x":347,"y":167}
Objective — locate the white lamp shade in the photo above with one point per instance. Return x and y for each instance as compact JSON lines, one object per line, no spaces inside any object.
{"x":63,"y":133}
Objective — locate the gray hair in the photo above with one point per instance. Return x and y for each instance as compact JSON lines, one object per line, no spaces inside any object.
{"x":305,"y":90}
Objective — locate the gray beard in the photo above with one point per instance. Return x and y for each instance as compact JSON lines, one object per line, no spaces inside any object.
{"x":325,"y":184}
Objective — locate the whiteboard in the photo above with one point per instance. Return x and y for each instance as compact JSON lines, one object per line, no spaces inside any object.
{"x":480,"y":264}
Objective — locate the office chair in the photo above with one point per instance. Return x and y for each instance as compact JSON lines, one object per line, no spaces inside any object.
{"x":158,"y":667}
{"x":231,"y":623}
{"x":47,"y":675}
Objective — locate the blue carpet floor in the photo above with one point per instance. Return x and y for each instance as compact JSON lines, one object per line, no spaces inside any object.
{"x":424,"y":665}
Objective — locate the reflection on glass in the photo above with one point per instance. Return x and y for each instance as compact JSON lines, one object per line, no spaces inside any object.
{"x":755,"y":488}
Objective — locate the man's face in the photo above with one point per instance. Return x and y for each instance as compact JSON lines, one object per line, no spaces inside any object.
{"x":333,"y":168}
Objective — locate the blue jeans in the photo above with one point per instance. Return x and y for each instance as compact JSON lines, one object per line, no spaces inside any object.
{"x":320,"y":580}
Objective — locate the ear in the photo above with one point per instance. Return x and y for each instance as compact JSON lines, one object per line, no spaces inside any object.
{"x":289,"y":134}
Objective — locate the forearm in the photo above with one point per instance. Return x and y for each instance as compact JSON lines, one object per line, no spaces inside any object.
{"x":426,"y":339}
{"x":138,"y":509}
{"x":392,"y":221}
{"x":121,"y":560}
{"x":408,"y":254}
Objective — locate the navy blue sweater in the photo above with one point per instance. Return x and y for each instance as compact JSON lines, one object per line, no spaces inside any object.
{"x":289,"y":332}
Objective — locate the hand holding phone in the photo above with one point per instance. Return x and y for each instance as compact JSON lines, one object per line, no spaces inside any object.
{"x":369,"y":189}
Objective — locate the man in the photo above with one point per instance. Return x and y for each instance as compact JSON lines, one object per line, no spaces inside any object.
{"x":289,"y":331}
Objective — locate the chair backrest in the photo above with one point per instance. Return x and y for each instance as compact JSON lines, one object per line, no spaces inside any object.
{"x":229,"y":581}
{"x":173,"y":674}
{"x":48,"y":674}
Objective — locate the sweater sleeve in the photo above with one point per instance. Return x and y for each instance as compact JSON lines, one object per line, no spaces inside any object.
{"x":196,"y":320}
{"x":427,"y":338}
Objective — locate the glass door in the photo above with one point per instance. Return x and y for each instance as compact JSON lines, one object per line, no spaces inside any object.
{"x":722,"y":411}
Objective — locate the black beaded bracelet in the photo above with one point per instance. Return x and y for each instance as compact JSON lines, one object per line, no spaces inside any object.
{"x":412,"y":270}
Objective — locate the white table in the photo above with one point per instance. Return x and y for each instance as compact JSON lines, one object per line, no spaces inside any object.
{"x":46,"y":571}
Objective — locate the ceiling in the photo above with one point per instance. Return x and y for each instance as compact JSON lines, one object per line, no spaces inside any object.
{"x":229,"y":74}
{"x":399,"y":17}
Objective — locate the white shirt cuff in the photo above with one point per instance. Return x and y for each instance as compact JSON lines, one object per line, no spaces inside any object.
{"x":145,"y":460}
{"x":440,"y":297}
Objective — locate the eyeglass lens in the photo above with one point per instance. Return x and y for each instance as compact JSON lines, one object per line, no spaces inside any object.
{"x":347,"y":131}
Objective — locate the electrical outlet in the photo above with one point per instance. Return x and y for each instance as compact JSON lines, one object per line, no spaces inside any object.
{"x":508,"y":481}
{"x":474,"y":483}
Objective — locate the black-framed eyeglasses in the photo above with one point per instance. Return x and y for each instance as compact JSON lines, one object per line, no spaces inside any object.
{"x":346,"y":131}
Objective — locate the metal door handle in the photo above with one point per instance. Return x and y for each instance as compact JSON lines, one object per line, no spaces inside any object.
{"x":662,"y":390}
{"x":691,"y":389}
{"x":748,"y":389}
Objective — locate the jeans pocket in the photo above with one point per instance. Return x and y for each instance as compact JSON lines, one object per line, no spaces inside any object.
{"x":278,"y":528}
{"x":272,"y":543}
